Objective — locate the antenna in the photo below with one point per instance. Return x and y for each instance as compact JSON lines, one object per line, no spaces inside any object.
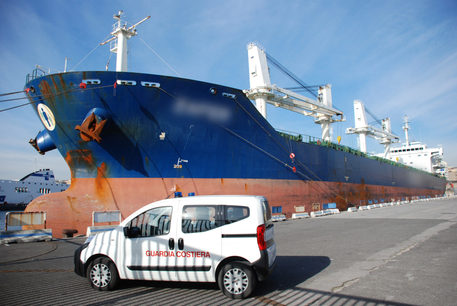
{"x":121,"y":33}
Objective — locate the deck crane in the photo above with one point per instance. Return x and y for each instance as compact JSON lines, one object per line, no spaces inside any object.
{"x":363,"y":129}
{"x":263,"y":92}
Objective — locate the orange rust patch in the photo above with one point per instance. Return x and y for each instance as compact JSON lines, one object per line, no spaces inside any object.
{"x":101,"y":171}
{"x":80,"y":156}
{"x":69,"y":161}
{"x":87,"y":157}
{"x":54,"y":83}
{"x":103,"y":189}
{"x":99,"y":180}
{"x":46,"y":92}
{"x":62,"y":82}
{"x":72,"y":207}
{"x":76,"y":157}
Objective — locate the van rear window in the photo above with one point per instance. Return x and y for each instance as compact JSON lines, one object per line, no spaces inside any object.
{"x":235,"y":213}
{"x":202,"y":218}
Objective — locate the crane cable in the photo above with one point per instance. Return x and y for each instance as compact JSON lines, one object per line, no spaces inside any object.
{"x":316,"y":177}
{"x":44,"y":97}
{"x":287,"y":72}
{"x":12,"y":93}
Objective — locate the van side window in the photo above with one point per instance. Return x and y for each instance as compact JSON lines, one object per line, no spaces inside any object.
{"x":154,"y":222}
{"x":235,"y":213}
{"x":199,"y":218}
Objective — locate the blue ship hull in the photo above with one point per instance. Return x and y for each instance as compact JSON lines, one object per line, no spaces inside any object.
{"x":165,"y":134}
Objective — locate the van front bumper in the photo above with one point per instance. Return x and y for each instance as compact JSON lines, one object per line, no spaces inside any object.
{"x":79,"y":265}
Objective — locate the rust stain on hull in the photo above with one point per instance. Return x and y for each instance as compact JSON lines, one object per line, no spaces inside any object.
{"x":47,"y":93}
{"x":78,"y":157}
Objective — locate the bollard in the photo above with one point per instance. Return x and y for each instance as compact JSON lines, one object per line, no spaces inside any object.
{"x":68,"y":233}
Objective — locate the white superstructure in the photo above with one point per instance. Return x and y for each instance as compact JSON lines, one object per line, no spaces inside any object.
{"x":418,"y":155}
{"x":29,"y":187}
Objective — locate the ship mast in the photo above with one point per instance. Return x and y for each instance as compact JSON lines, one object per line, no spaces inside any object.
{"x":406,"y":128}
{"x":120,"y":35}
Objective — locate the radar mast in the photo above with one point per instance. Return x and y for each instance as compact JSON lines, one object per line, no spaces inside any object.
{"x":118,"y":43}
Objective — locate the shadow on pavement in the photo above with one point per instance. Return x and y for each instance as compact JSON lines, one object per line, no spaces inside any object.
{"x":291,"y":271}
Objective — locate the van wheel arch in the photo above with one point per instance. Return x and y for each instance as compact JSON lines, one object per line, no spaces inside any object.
{"x":94,"y":257}
{"x":237,"y":279}
{"x":102,"y":273}
{"x":228,"y":260}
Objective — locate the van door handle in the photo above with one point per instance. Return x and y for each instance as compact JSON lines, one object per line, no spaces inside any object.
{"x":181,"y":244}
{"x":171,"y":244}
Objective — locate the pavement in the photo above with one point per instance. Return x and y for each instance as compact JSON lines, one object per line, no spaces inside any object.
{"x":400,"y":255}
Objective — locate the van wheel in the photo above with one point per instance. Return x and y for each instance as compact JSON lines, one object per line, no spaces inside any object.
{"x":237,"y":280}
{"x":102,"y":274}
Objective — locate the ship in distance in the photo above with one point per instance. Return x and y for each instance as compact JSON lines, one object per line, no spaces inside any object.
{"x":15,"y":195}
{"x":133,"y":138}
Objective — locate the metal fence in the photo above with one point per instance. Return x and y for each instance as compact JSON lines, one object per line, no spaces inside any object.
{"x":25,"y":220}
{"x":106,"y":217}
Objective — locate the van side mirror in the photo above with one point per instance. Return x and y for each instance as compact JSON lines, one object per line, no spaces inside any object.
{"x":132,"y":232}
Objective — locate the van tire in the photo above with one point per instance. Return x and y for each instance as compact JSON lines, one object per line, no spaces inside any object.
{"x":237,"y":280}
{"x":102,"y":274}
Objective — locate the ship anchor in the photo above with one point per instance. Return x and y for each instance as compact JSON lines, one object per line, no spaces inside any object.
{"x":91,"y":128}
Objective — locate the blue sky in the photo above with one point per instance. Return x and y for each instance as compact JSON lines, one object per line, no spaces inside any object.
{"x":398,"y":57}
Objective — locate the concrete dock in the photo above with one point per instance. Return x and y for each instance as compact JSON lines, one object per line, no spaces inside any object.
{"x":394,"y":255}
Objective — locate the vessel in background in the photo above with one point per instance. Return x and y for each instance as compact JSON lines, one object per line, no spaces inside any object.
{"x":15,"y":195}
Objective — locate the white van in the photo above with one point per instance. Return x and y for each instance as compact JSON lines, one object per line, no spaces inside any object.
{"x":223,"y":239}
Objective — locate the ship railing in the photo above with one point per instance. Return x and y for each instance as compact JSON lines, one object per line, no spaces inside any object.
{"x":106,"y":217}
{"x":318,"y":141}
{"x":25,"y":227}
{"x":36,"y":73}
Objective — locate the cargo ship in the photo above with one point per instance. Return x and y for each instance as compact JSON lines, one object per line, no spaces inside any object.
{"x":132,"y":138}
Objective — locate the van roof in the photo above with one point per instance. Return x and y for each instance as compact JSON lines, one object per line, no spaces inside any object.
{"x":202,"y":199}
{"x":205,"y":199}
